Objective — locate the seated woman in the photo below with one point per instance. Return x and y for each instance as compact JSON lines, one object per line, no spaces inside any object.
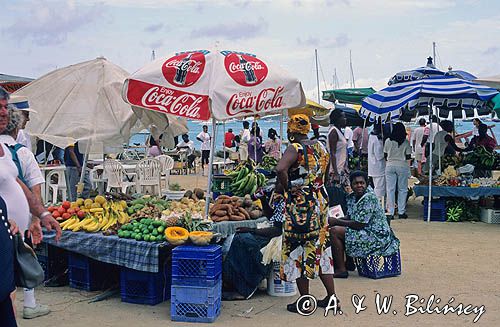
{"x":365,"y":231}
{"x":242,"y":270}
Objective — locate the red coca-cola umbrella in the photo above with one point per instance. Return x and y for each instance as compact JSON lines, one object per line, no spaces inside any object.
{"x":221,"y":85}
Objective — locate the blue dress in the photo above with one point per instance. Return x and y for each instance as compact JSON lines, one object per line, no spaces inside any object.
{"x":377,"y":238}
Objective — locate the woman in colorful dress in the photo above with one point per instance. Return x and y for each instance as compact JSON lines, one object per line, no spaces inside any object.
{"x":306,"y":243}
{"x":366,"y":230}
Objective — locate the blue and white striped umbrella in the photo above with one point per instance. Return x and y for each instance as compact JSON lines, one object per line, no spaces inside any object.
{"x":415,"y":74}
{"x":442,"y":91}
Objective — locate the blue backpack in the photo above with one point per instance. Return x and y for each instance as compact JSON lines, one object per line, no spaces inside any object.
{"x":13,"y":150}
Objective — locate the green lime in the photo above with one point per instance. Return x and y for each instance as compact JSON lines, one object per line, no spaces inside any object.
{"x":137,"y":230}
{"x":152,"y":238}
{"x":133,"y":235}
{"x":160,"y":229}
{"x":138,"y":237}
{"x":154,"y":232}
{"x":130,"y":211}
{"x":144,"y":221}
{"x":120,"y":234}
{"x":164,"y":224}
{"x":126,"y":234}
{"x":146,"y":238}
{"x":157,"y":223}
{"x":151,"y":227}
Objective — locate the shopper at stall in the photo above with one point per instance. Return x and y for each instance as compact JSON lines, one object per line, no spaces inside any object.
{"x":244,"y":139}
{"x":7,"y":285}
{"x":338,"y":175}
{"x":475,"y":130}
{"x":416,"y":143}
{"x":29,"y":173}
{"x":272,"y":147}
{"x":428,"y":137}
{"x":255,"y":125}
{"x":365,"y":230}
{"x":229,"y":138}
{"x":19,"y":200}
{"x":376,"y":161}
{"x":154,"y":149}
{"x":73,"y":160}
{"x":397,"y":151}
{"x":360,"y":139}
{"x":349,"y":134}
{"x":255,"y":148}
{"x":444,"y":143}
{"x":21,"y":103}
{"x":204,"y":138}
{"x":482,"y":139}
{"x":306,"y":248}
{"x":186,"y":146}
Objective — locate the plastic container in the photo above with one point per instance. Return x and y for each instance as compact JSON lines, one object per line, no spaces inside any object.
{"x":278,"y":287}
{"x":195,"y":303}
{"x":221,"y":184}
{"x":91,"y":275}
{"x":490,"y":216}
{"x":196,"y":265}
{"x":376,"y":267}
{"x":53,"y":260}
{"x":438,"y":209}
{"x":143,"y":287}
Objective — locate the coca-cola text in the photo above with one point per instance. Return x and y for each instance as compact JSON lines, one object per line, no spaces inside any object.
{"x":245,"y":103}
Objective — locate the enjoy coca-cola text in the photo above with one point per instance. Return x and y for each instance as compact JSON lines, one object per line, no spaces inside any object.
{"x":246,"y":103}
{"x":242,"y":67}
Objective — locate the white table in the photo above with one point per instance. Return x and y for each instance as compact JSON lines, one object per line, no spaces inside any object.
{"x":218,"y":165}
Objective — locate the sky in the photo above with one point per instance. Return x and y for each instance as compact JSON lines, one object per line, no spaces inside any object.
{"x":383,"y":36}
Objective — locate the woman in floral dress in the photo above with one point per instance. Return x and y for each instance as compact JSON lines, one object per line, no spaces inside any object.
{"x":366,"y":231}
{"x":306,"y":247}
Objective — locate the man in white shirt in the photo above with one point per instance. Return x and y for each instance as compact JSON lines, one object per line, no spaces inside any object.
{"x":244,"y":139}
{"x":348,"y":134}
{"x":21,"y":104}
{"x":204,"y":138}
{"x":416,"y":143}
{"x":187,"y":147}
{"x":427,"y":138}
{"x":31,"y":175}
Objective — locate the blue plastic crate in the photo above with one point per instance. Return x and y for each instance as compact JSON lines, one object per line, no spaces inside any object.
{"x":195,"y":303}
{"x":53,"y":260}
{"x":196,"y":265}
{"x":143,"y":287}
{"x":90,"y":275}
{"x":438,"y":209}
{"x":376,"y":267}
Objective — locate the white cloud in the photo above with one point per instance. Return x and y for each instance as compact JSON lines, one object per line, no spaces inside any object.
{"x":232,"y":31}
{"x":153,"y":28}
{"x":49,"y":23}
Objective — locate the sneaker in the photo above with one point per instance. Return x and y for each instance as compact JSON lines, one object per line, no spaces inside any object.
{"x":38,"y":311}
{"x":403,"y":216}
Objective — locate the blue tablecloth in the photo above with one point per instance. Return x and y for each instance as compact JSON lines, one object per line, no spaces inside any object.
{"x":461,"y":192}
{"x":138,"y":255}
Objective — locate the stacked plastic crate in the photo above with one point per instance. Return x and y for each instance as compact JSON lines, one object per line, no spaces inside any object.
{"x":196,"y":283}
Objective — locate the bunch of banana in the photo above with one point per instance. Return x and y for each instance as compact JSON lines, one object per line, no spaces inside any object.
{"x":268,"y":163}
{"x":246,"y":181}
{"x":454,"y":213}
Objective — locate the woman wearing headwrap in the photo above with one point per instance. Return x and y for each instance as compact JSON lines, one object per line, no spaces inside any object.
{"x":306,"y":244}
{"x":397,"y":152}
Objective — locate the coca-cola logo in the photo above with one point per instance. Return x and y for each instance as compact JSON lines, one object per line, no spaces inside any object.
{"x":268,"y":99}
{"x":168,"y":100}
{"x":184,"y":69}
{"x":245,"y":69}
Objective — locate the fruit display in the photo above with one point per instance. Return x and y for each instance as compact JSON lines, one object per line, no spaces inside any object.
{"x":147,"y":207}
{"x":245,"y":179}
{"x":482,"y":159}
{"x":146,"y":229}
{"x":458,"y":209}
{"x":176,"y":235}
{"x":185,"y":205}
{"x":200,"y":237}
{"x":96,"y":215}
{"x":234,"y":208}
{"x":268,"y":163}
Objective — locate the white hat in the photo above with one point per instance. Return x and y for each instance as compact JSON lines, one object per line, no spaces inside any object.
{"x":21,"y":103}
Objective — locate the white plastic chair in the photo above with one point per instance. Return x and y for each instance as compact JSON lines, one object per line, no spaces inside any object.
{"x":53,"y":189}
{"x":167,"y":163}
{"x":113,"y":170}
{"x":148,"y":174}
{"x":97,"y":180}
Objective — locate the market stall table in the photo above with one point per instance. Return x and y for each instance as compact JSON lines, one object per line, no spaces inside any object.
{"x":456,"y":191}
{"x":226,"y":228}
{"x":138,"y":255}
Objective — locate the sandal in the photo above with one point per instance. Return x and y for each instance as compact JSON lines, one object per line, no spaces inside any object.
{"x":349,"y":264}
{"x":324,"y":303}
{"x":292,"y":307}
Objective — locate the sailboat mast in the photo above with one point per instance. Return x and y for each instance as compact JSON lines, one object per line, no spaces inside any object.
{"x":317,"y":73}
{"x":434,"y":53}
{"x":353,"y":83}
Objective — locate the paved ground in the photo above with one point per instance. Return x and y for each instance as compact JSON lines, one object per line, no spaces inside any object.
{"x":459,"y":260}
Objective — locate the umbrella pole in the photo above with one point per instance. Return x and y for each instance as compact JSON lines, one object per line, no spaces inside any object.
{"x":281,"y":129}
{"x":255,"y":139}
{"x":439,"y":146}
{"x":224,"y":142}
{"x":429,"y":202}
{"x":210,"y":166}
{"x":361,"y":146}
{"x":81,"y":185}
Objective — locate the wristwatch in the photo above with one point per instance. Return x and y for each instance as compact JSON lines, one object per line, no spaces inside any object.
{"x":45,"y":214}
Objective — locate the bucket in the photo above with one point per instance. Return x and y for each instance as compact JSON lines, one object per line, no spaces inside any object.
{"x":278,"y":287}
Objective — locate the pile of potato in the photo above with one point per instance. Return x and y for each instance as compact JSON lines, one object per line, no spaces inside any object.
{"x":234,"y":208}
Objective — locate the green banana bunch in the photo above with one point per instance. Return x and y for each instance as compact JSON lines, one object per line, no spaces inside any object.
{"x":268,"y":163}
{"x":246,"y":180}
